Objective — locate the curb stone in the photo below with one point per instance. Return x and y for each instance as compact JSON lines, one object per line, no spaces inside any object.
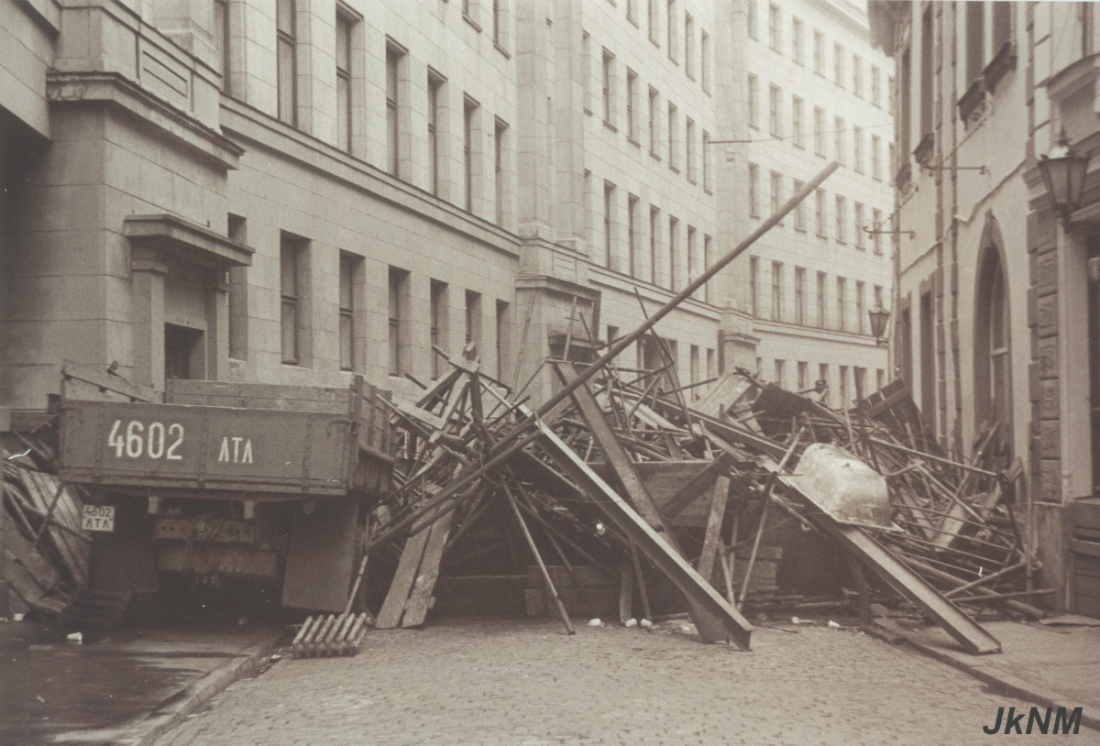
{"x":1014,"y":686}
{"x":197,"y":693}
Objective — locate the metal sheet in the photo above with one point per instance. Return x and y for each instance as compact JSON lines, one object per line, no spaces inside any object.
{"x":838,"y":483}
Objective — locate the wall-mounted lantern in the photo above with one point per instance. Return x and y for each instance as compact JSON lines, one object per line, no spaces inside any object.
{"x":880,"y":317}
{"x":1064,"y":171}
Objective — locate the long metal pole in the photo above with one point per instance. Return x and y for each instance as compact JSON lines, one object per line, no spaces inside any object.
{"x":510,"y":444}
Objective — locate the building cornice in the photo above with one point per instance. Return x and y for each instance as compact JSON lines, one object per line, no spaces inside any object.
{"x":121,"y":93}
{"x":173,"y":236}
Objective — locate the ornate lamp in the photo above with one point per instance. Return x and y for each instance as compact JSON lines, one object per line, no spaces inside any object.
{"x":1064,"y":173}
{"x":879,"y":318}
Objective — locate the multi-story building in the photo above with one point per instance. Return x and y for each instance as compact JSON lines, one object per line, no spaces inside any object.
{"x":817,"y":92}
{"x":291,"y":191}
{"x":997,"y":309}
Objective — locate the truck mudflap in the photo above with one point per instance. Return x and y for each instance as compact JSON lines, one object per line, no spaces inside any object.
{"x":320,"y":556}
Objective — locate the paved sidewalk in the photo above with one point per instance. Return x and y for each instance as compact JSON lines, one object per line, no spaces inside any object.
{"x":126,"y":687}
{"x":1048,"y":665}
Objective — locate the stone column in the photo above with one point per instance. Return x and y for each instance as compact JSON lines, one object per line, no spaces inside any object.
{"x":147,"y":278}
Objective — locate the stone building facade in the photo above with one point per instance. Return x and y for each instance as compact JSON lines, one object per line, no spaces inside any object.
{"x":817,"y":91}
{"x":996,"y":317}
{"x":295,"y":190}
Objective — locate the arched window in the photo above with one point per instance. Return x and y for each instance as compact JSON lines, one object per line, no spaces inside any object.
{"x":992,"y":337}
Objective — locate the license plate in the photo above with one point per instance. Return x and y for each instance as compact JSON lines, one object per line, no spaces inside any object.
{"x":98,"y":518}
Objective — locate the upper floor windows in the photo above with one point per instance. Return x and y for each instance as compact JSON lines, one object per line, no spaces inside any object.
{"x":796,"y":41}
{"x":775,"y":29}
{"x":819,"y":52}
{"x":838,"y":65}
{"x":287,"y":68}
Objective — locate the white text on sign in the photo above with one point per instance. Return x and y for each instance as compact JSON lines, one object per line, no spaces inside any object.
{"x":232,"y":451}
{"x":155,"y":441}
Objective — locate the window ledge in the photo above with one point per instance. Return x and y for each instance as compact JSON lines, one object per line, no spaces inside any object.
{"x":673,"y":168}
{"x":633,"y":142}
{"x":654,"y":156}
{"x":610,"y":126}
{"x":692,"y":181}
{"x":1002,"y":63}
{"x":472,"y":22}
{"x":502,"y":50}
{"x":708,"y":191}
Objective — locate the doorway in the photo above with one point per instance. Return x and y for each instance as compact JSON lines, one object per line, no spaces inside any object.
{"x":183,"y":352}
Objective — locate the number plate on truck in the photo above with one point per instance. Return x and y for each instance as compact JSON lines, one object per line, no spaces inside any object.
{"x":98,"y":518}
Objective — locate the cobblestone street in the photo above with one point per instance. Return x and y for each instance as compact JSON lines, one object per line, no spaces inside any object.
{"x":525,"y":682}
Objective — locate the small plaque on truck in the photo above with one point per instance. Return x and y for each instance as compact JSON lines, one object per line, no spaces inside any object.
{"x":98,"y":518}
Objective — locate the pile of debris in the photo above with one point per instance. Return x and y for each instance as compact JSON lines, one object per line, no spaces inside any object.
{"x":45,"y":547}
{"x":619,"y":469}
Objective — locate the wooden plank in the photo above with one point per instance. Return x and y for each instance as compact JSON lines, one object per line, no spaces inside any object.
{"x":689,"y":492}
{"x":724,"y":393}
{"x":19,"y":549}
{"x":626,"y":590}
{"x":98,"y":379}
{"x":23,"y":583}
{"x":710,"y":628}
{"x":420,"y":599}
{"x":712,"y":537}
{"x":393,"y":608}
{"x":653,"y":544}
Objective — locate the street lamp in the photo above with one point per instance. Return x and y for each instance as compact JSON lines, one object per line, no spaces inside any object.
{"x":1064,"y":173}
{"x":879,"y":318}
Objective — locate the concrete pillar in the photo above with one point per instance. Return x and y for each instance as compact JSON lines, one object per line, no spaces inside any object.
{"x":147,"y":277}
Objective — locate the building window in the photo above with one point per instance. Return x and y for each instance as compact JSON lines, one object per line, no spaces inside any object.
{"x":800,"y":297}
{"x":843,"y":386}
{"x":654,"y":227}
{"x":754,"y":191}
{"x":470,"y":153}
{"x":292,"y":284}
{"x":673,"y":253}
{"x":707,"y":187}
{"x":821,"y":300}
{"x":689,"y":149}
{"x":654,"y":121}
{"x":839,"y":134}
{"x":777,"y":291}
{"x":398,"y":304}
{"x":796,"y":41}
{"x":692,"y":255}
{"x":841,"y":219}
{"x":799,"y":210}
{"x":654,"y":23}
{"x":780,"y":373}
{"x":876,"y":157}
{"x":435,"y":85}
{"x":841,"y":304}
{"x":393,"y":125}
{"x":859,"y":225}
{"x":632,"y":11}
{"x":857,"y":75}
{"x":350,"y":268}
{"x":892,"y":159}
{"x":673,"y":161}
{"x":712,"y":364}
{"x":586,"y":75}
{"x":473,"y":320}
{"x":608,"y":88}
{"x":880,"y":378}
{"x":708,"y":259}
{"x":857,"y":149}
{"x":693,"y":369}
{"x":775,"y":111}
{"x":903,"y":96}
{"x":631,"y":96}
{"x":819,"y":131}
{"x":704,"y":61}
{"x":838,"y":65}
{"x":287,"y":62}
{"x":975,"y":39}
{"x":498,"y":23}
{"x":754,"y":286}
{"x":221,"y":39}
{"x":891,"y":97}
{"x":632,"y":235}
{"x":238,"y":293}
{"x":776,"y":192}
{"x":876,"y":88}
{"x":877,"y":223}
{"x":689,"y":46}
{"x":819,"y":211}
{"x":503,"y":346}
{"x":673,"y":52}
{"x":992,"y":342}
{"x":803,"y":376}
{"x":499,"y":192}
{"x":751,"y":20}
{"x":819,"y":53}
{"x":860,"y":300}
{"x":796,"y":123}
{"x":754,"y":103}
{"x":343,"y":81}
{"x":608,"y":223}
{"x":438,"y":329}
{"x":775,"y":40}
{"x":926,"y":73}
